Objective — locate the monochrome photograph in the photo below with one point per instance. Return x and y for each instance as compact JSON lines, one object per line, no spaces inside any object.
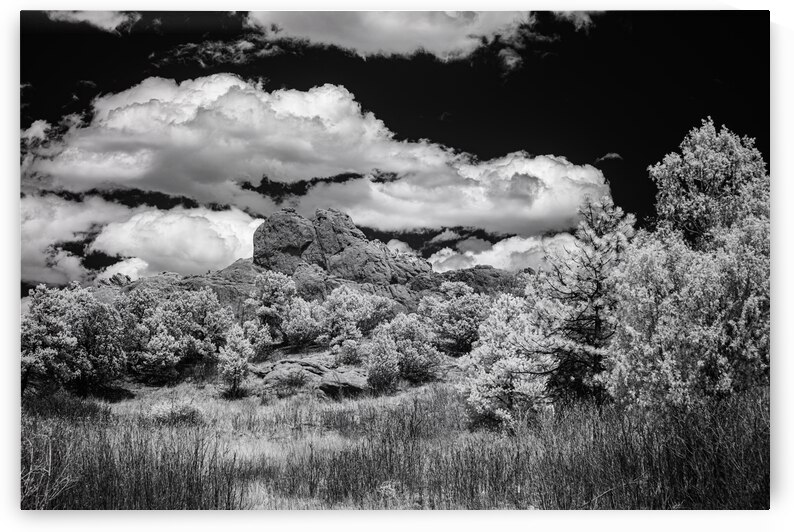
{"x":394,"y":260}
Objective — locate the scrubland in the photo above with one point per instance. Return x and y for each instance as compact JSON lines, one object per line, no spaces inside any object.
{"x":187,"y":447}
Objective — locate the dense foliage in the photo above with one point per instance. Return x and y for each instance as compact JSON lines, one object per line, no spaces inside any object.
{"x":71,"y":338}
{"x":675,"y":316}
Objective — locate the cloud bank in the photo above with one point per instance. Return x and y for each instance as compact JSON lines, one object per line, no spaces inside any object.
{"x":111,"y":21}
{"x":515,"y":253}
{"x":202,"y":138}
{"x":443,"y":34}
{"x":187,"y":241}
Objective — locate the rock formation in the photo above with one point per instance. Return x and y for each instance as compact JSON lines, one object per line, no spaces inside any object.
{"x":288,"y":242}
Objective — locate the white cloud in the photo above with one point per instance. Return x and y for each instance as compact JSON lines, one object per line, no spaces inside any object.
{"x":473,"y":244}
{"x":444,"y":34}
{"x":48,"y":220}
{"x":186,"y":241}
{"x":112,"y":21}
{"x":400,"y":246}
{"x":201,"y":137}
{"x":133,"y":268}
{"x":611,"y":156}
{"x":515,"y":194}
{"x":582,"y":20}
{"x":514,"y":253}
{"x":444,"y":236}
{"x":37,"y":130}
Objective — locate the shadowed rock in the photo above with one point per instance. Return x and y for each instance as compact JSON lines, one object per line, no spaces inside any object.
{"x":287,"y":242}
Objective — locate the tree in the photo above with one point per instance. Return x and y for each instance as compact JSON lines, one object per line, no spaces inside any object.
{"x":693,"y":324}
{"x":304,"y":322}
{"x":550,"y":345}
{"x":181,"y":327}
{"x":71,"y":338}
{"x":350,"y":314}
{"x":270,"y":300}
{"x":717,"y":180}
{"x":404,"y":343}
{"x":455,"y":316}
{"x":233,"y":360}
{"x":575,"y":300}
{"x":504,"y":376}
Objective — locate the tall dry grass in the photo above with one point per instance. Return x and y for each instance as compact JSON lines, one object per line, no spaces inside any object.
{"x":409,"y":451}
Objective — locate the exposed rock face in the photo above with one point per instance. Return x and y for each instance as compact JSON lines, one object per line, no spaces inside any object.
{"x":288,"y":242}
{"x":232,"y":285}
{"x":280,"y":242}
{"x":313,"y":373}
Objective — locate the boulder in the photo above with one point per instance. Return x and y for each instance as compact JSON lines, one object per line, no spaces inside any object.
{"x":340,"y":384}
{"x":289,"y":243}
{"x":313,"y":374}
{"x":281,"y":240}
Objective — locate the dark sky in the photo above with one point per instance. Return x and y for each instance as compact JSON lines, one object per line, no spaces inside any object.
{"x":631,"y":83}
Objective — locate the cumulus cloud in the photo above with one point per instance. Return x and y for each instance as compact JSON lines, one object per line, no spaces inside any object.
{"x":400,"y":246}
{"x":444,"y":236}
{"x":473,"y":244}
{"x":49,"y":220}
{"x":133,"y":268}
{"x":112,"y":21}
{"x":37,"y":130}
{"x":444,"y":34}
{"x":582,"y":20}
{"x":515,"y":194}
{"x":201,"y":138}
{"x":187,"y":241}
{"x":514,"y":253}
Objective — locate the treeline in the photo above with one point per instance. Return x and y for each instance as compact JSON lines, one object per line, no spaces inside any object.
{"x":674,"y":315}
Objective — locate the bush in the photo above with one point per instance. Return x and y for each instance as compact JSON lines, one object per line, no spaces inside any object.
{"x":350,"y":314}
{"x":303,"y":323}
{"x":455,"y":316}
{"x":162,"y":333}
{"x":233,"y":360}
{"x":693,"y":324}
{"x":259,"y":337}
{"x":71,"y":338}
{"x":405,"y":346}
{"x":176,"y":413}
{"x":349,"y":352}
{"x":383,"y":363}
{"x":270,"y":300}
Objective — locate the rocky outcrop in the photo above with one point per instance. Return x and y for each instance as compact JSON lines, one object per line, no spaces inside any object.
{"x":233,"y":284}
{"x":312,"y":373}
{"x":483,"y":279}
{"x":322,"y":254}
{"x":287,"y":242}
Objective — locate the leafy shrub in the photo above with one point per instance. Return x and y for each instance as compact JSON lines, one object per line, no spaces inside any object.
{"x":270,"y":300}
{"x":349,"y":352}
{"x":176,"y":413}
{"x":351,"y":314}
{"x":233,"y":360}
{"x":258,"y":335}
{"x":70,"y":338}
{"x":716,"y":181}
{"x":383,"y":363}
{"x":304,"y":322}
{"x":184,"y":327}
{"x":404,"y":344}
{"x":455,"y":316}
{"x":693,"y":324}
